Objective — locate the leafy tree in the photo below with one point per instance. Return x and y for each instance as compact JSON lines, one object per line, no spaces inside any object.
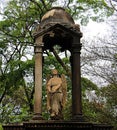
{"x":16,"y":53}
{"x":108,"y":93}
{"x":85,"y":10}
{"x":1,"y":127}
{"x":113,"y":4}
{"x":99,"y":61}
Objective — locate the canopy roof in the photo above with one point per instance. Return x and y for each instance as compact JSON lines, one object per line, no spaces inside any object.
{"x":57,"y":27}
{"x":57,"y":14}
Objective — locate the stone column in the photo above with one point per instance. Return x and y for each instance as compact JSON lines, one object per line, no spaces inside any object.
{"x":38,"y":80}
{"x":76,"y":80}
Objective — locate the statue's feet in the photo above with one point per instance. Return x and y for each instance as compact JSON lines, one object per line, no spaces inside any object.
{"x":55,"y":117}
{"x":52,"y":116}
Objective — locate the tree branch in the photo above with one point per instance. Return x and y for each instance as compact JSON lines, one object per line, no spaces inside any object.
{"x":113,"y":5}
{"x":62,"y":64}
{"x":1,"y":98}
{"x":36,"y":3}
{"x":43,"y":2}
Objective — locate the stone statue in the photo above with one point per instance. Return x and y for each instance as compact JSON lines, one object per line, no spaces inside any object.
{"x":56,"y":95}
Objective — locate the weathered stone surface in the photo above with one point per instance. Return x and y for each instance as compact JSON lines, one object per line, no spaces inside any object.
{"x":57,"y":125}
{"x":57,"y":14}
{"x":54,"y":18}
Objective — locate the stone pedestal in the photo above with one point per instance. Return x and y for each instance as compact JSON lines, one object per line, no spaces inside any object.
{"x":57,"y":125}
{"x":13,"y":127}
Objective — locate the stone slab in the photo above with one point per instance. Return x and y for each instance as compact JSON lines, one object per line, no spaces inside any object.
{"x":57,"y":125}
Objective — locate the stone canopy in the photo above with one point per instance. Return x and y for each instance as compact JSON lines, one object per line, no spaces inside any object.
{"x":57,"y":27}
{"x":57,"y":14}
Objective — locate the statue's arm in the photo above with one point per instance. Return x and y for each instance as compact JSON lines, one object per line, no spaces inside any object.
{"x":57,"y":87}
{"x":49,"y":86}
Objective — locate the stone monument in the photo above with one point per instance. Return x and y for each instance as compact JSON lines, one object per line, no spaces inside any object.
{"x":57,"y":27}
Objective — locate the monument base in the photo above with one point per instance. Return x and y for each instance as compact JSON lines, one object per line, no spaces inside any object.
{"x":57,"y":125}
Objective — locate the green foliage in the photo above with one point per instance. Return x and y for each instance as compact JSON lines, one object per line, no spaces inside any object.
{"x":88,"y":85}
{"x":89,"y":108}
{"x":14,"y":107}
{"x":85,"y":10}
{"x":17,"y":93}
{"x":1,"y":127}
{"x":17,"y":62}
{"x":67,"y":111}
{"x":103,"y":108}
{"x":109,"y":94}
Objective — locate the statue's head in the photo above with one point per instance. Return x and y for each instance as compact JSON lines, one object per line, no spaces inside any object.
{"x":54,"y":72}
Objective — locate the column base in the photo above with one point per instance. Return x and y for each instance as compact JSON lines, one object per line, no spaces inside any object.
{"x":37,"y":116}
{"x":78,"y":118}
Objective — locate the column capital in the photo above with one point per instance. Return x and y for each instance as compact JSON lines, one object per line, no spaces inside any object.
{"x":76,"y":48}
{"x":76,"y":45}
{"x":38,"y":48}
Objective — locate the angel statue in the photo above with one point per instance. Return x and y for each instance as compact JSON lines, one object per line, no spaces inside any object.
{"x":56,"y":95}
